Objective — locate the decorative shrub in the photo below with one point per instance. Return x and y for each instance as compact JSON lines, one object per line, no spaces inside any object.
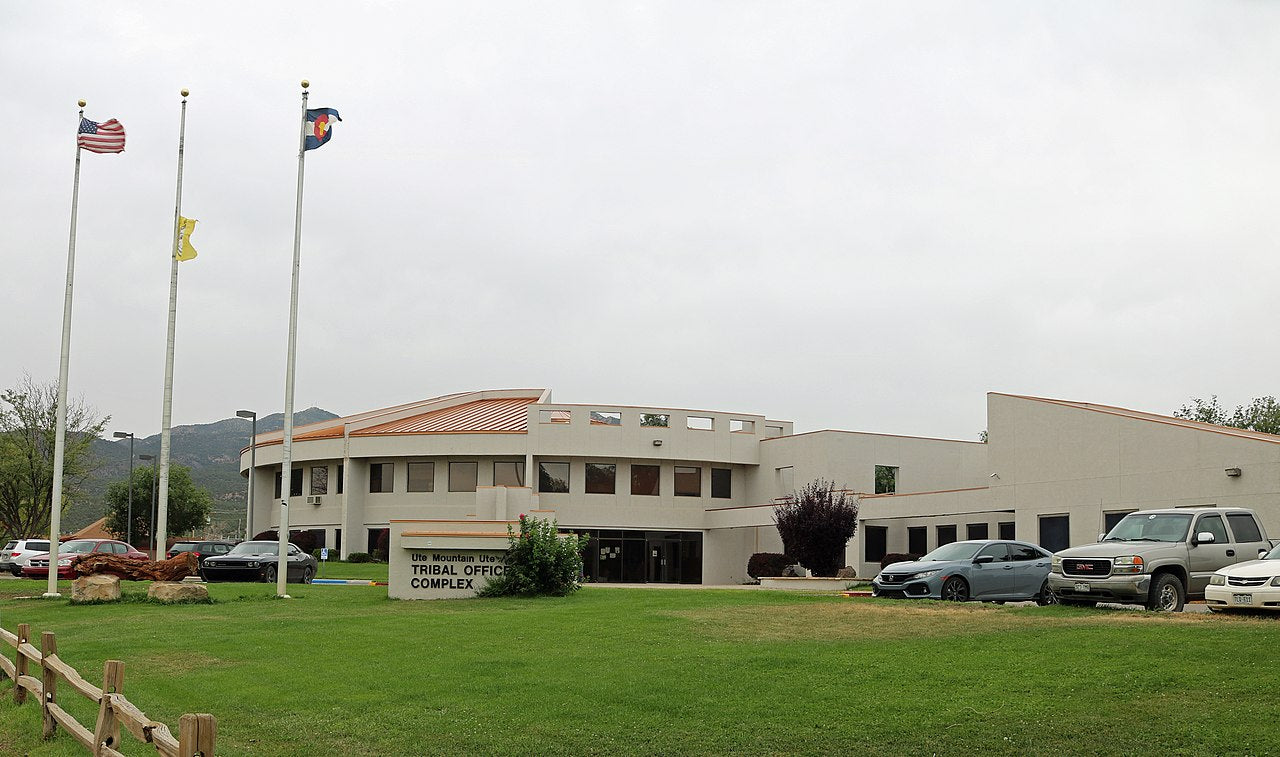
{"x":816,"y":525}
{"x":539,"y":561}
{"x":272,"y":535}
{"x":360,"y":557}
{"x":894,"y":557}
{"x":767,"y":564}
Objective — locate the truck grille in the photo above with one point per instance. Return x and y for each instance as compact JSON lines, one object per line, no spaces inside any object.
{"x":1238,"y":581}
{"x":1076,"y":567}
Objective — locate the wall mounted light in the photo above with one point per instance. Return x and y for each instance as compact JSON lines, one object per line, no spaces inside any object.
{"x":1233,"y":472}
{"x":657,"y":442}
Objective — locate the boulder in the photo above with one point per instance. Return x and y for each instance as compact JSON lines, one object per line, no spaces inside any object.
{"x":178,"y":592}
{"x":99,"y":588}
{"x":847,"y":572}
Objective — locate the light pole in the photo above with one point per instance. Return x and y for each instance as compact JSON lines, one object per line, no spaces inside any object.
{"x":253,"y":466}
{"x":128,"y":529}
{"x":154,"y":480}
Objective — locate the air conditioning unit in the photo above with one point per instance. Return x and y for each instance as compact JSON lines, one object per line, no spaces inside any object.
{"x":315,"y":499}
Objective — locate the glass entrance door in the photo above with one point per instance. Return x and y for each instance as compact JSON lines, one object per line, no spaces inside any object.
{"x":664,"y":560}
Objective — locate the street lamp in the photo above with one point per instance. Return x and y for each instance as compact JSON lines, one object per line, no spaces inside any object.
{"x":154,"y":480}
{"x":253,"y":466}
{"x":128,"y":523}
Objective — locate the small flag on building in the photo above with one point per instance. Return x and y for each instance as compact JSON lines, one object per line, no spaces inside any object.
{"x":320,"y":126}
{"x":107,"y":136}
{"x":186,"y":227}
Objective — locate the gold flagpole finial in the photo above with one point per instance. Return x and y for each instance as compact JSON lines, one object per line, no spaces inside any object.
{"x":82,"y":103}
{"x":305,"y":84}
{"x":185,"y":91}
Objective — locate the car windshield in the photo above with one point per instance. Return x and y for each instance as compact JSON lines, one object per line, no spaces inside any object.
{"x":960,"y":550}
{"x":255,"y":548}
{"x":182,"y":546}
{"x":1274,"y":554}
{"x":1170,"y":527}
{"x":11,"y":545}
{"x":77,"y":546}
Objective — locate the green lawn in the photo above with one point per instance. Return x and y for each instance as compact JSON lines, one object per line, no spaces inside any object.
{"x":343,"y":670}
{"x":376,"y":571}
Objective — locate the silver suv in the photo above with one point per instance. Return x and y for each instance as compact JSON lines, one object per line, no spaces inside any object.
{"x":1157,"y":558}
{"x":18,"y":551}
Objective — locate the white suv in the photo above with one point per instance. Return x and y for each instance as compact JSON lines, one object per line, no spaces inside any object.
{"x":17,"y":552}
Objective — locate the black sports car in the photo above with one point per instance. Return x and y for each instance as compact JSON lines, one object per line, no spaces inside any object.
{"x":257,"y":561}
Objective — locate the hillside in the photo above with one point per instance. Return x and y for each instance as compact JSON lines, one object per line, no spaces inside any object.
{"x":211,"y":450}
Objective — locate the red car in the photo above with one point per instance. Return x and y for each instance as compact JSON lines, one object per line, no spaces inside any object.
{"x":38,"y":566}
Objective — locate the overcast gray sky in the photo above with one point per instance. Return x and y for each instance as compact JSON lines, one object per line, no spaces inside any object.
{"x":850,"y":215}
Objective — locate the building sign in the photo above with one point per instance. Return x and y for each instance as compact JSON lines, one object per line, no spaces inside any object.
{"x":444,"y":573}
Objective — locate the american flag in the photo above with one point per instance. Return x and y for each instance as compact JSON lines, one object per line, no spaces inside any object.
{"x":107,"y":136}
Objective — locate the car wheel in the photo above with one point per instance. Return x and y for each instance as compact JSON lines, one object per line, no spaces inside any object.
{"x":307,"y":574}
{"x":16,"y":571}
{"x":1046,"y":595}
{"x":1167,"y":594}
{"x":956,"y":589}
{"x":269,"y":574}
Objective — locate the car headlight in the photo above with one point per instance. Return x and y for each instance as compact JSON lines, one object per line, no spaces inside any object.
{"x":927,"y":573}
{"x":1217,"y":579}
{"x":253,"y":563}
{"x":1127,"y":564}
{"x":1056,"y":565}
{"x":1275,"y":581}
{"x":63,"y":562}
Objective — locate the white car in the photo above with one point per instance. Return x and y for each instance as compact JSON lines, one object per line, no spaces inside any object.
{"x":1252,"y":585}
{"x":18,"y":551}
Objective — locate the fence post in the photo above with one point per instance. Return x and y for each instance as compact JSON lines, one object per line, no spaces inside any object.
{"x":20,"y":665}
{"x":107,"y":731}
{"x":49,"y":679}
{"x":196,"y":735}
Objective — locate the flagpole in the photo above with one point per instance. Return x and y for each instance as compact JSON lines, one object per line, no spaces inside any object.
{"x":162,"y":516}
{"x":286,"y":461}
{"x":60,"y":432}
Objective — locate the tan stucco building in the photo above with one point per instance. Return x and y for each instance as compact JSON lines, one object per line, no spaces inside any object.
{"x":674,"y":495}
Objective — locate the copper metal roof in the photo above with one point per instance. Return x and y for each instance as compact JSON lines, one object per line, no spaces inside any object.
{"x":505,"y":414}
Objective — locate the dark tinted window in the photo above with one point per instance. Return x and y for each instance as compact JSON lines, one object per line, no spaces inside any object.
{"x":875,"y":541}
{"x":946,"y":535}
{"x":553,"y":478}
{"x":721,"y":482}
{"x":917,"y":540}
{"x":976,"y":531}
{"x":1020,"y":552}
{"x":601,"y":478}
{"x":1007,"y":531}
{"x":1244,"y":527}
{"x":1109,"y":520}
{"x":1214,"y":525}
{"x":999,"y":550}
{"x":688,"y":481}
{"x":380,"y":477}
{"x":295,"y":482}
{"x":1055,"y":532}
{"x":463,"y":477}
{"x":644,"y":480}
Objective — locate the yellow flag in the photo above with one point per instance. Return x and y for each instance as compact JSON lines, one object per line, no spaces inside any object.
{"x":185,"y":228}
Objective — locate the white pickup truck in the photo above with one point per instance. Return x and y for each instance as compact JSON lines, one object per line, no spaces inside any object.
{"x":1158,"y":558}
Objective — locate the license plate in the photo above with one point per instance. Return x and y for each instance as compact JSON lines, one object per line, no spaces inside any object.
{"x":1242,"y":599}
{"x":1082,"y":587}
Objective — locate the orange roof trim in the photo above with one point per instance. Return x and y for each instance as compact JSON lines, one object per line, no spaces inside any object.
{"x":504,"y":414}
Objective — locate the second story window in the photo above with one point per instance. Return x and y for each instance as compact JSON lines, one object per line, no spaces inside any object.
{"x":886,"y":479}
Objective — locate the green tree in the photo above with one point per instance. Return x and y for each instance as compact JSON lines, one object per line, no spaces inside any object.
{"x":1261,"y":414}
{"x":189,"y":505}
{"x":28,"y":423}
{"x":816,"y":525}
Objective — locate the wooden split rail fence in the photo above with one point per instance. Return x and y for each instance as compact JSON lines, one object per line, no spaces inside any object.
{"x":196,"y":733}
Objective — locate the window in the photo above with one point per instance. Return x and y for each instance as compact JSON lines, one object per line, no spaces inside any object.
{"x":1214,"y":525}
{"x":1007,"y":531}
{"x":1244,"y":527}
{"x":742,"y":427}
{"x":999,"y":551}
{"x":462,"y":476}
{"x":553,"y":416}
{"x":875,"y":541}
{"x":340,"y":472}
{"x":601,"y":478}
{"x":976,"y":531}
{"x":917,"y":540}
{"x":380,"y":475}
{"x":1055,"y":532}
{"x":721,"y":483}
{"x":295,"y":483}
{"x":1109,"y":520}
{"x":277,"y":488}
{"x":320,"y":479}
{"x":422,"y":477}
{"x":688,"y":481}
{"x":700,"y":423}
{"x":886,"y":479}
{"x":605,"y":419}
{"x":772,"y":431}
{"x":946,"y":535}
{"x":644,"y":480}
{"x":508,"y":473}
{"x":553,"y":478}
{"x":786,"y":480}
{"x":658,"y":420}
{"x":1024,"y":552}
